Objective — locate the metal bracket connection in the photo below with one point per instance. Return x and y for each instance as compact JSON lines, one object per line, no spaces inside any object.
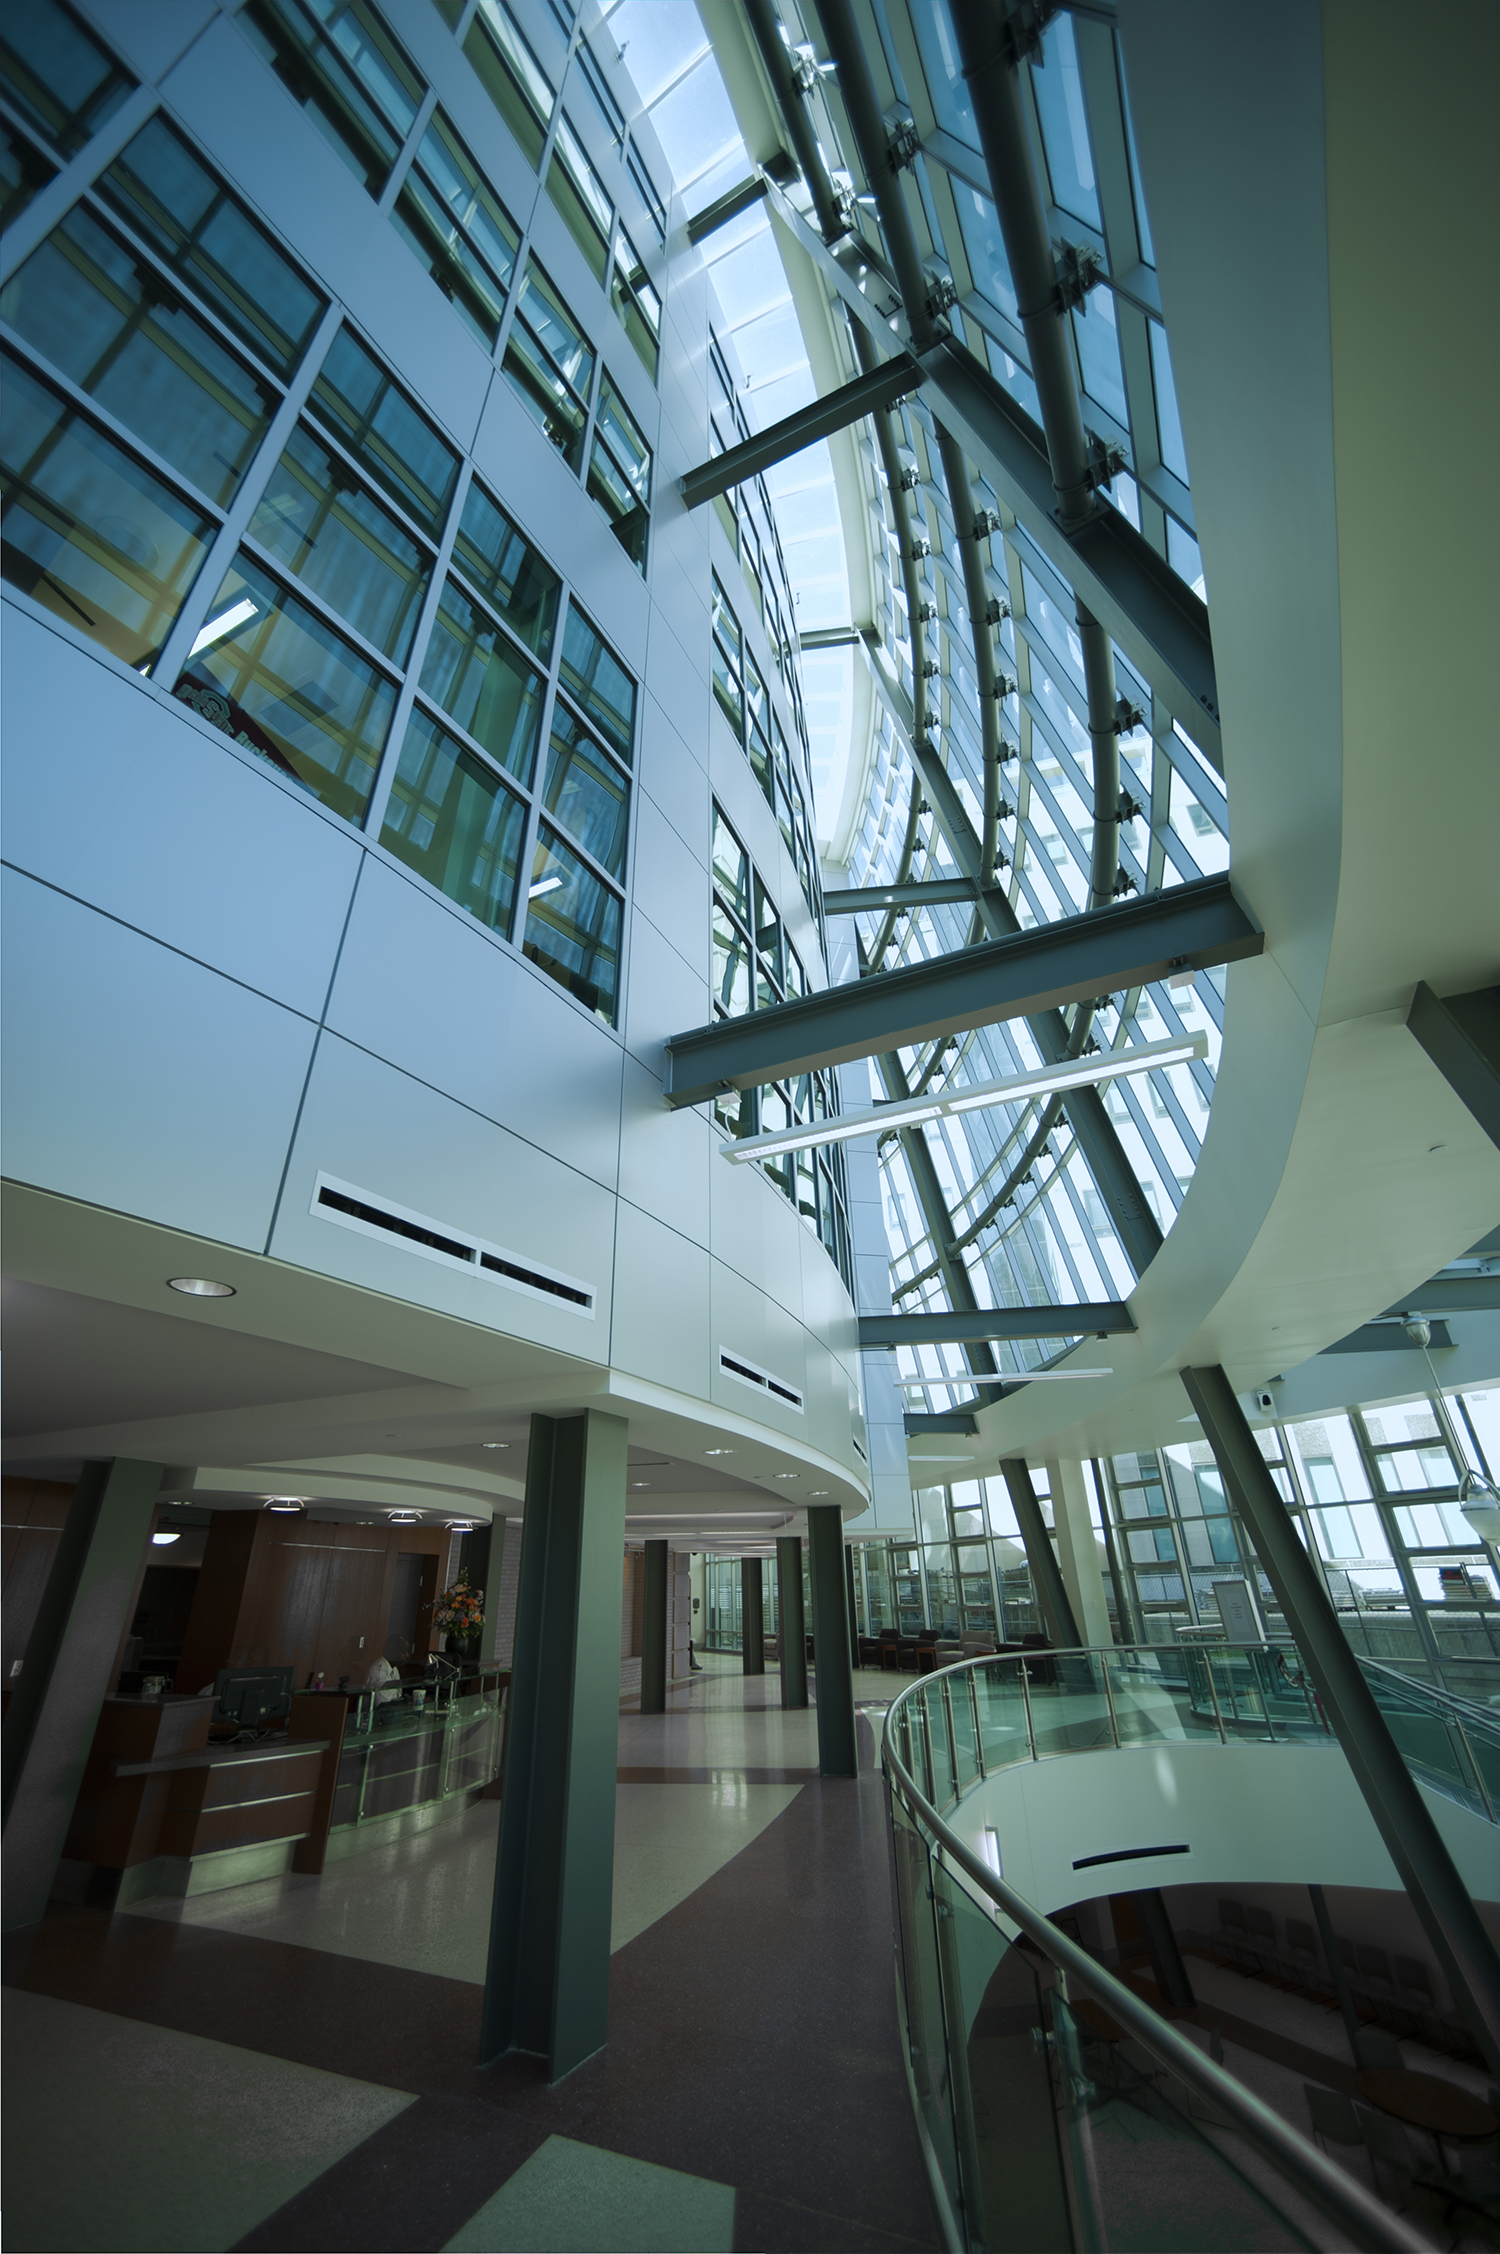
{"x":1127,"y":716}
{"x":920,"y":548}
{"x":1105,"y":461}
{"x":1079,"y":270}
{"x":930,"y":669}
{"x":902,"y":143}
{"x":1124,"y":882}
{"x":995,"y":611}
{"x":927,"y":612}
{"x":1128,"y":809}
{"x":942,"y":296}
{"x":986,"y":521}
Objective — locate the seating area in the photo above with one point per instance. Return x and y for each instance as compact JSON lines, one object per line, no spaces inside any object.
{"x":1390,"y":1993}
{"x":922,"y":1652}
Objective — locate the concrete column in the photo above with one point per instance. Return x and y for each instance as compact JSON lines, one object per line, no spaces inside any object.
{"x":1078,"y":1550}
{"x":657,"y":1565}
{"x":791,"y":1625}
{"x":752,"y":1616}
{"x":67,"y":1672}
{"x":838,"y":1747}
{"x":1046,"y":1580}
{"x":546,"y":1988}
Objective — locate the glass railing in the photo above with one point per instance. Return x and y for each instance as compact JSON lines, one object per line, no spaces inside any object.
{"x":955,"y":1727}
{"x":399,"y":1757}
{"x":1055,"y":2109}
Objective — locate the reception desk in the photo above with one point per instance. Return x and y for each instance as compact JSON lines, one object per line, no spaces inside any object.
{"x":161,"y":1811}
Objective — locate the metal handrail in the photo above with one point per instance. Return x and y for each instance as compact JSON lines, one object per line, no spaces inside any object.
{"x":1355,"y":2209}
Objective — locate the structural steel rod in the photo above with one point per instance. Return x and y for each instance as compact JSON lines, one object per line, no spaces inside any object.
{"x":1092,"y":1320}
{"x":1046,"y":1574}
{"x":869,"y":900}
{"x":1415,"y":1845}
{"x":875,"y":387}
{"x":1028,"y":974}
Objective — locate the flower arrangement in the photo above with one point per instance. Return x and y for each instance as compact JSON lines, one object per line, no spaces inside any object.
{"x":459,"y":1612}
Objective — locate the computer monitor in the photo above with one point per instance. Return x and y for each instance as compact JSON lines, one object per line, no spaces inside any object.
{"x":249,"y":1696}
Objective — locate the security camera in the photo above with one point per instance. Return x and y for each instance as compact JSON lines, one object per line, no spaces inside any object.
{"x":1265,"y":1401}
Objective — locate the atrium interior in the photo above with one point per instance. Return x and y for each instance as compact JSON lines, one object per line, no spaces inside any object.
{"x":751,"y":1161}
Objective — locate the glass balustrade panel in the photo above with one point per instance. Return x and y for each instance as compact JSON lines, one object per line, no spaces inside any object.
{"x":1069,"y":1703}
{"x":1001,"y":1695}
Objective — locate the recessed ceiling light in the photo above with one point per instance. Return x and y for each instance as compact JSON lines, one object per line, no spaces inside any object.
{"x":460,"y":1525}
{"x":640,"y":1483}
{"x":718,"y":1451}
{"x":494,"y":1443}
{"x":817,"y":1491}
{"x":200,"y":1287}
{"x":786,"y":1475}
{"x":167,"y":1534}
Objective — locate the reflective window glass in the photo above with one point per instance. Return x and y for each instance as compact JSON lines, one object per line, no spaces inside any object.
{"x":586,"y":793}
{"x":593,"y":675}
{"x":503,"y":565}
{"x":1168,"y":421}
{"x":461,"y":232}
{"x":343,"y":544}
{"x":636,"y":302}
{"x":106,"y":321}
{"x":578,"y":192}
{"x":211,"y":242}
{"x":87,"y":532}
{"x":452,"y":820}
{"x":1098,"y":342}
{"x":731,"y":866}
{"x":511,"y":76}
{"x":620,"y":473}
{"x":472,"y":670}
{"x":1058,"y":91}
{"x":573,"y":926}
{"x":731,"y":962}
{"x":268,"y":672}
{"x":551,"y":364}
{"x":57,"y":74}
{"x":345,"y":72}
{"x":371,"y":414}
{"x":23,"y":170}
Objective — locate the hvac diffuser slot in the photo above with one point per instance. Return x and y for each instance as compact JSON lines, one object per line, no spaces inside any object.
{"x":354,"y":1208}
{"x":764,"y":1381}
{"x":415,"y":1232}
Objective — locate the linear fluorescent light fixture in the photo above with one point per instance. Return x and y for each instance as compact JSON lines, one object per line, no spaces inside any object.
{"x":1001,"y":1377}
{"x":226,"y":622}
{"x":547,"y":884}
{"x":977,"y":1096}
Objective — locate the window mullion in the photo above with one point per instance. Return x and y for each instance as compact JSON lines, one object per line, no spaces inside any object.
{"x":237,"y":519}
{"x":385,"y":203}
{"x":386,"y":774}
{"x":53,"y":203}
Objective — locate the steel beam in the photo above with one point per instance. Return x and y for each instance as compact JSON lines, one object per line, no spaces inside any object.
{"x":871,"y":900}
{"x":1090,"y":1320}
{"x":919,"y":1423}
{"x":1025,"y":975}
{"x":1463,"y":1948}
{"x":1461,"y":1034}
{"x":878,"y":387}
{"x":1386,"y":1338}
{"x":719,"y":213}
{"x":1053,"y":1601}
{"x":791,"y":1625}
{"x":1451,"y":1295}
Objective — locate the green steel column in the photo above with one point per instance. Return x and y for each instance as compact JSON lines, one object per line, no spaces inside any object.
{"x":1046,"y":1573}
{"x":1463,"y":1948}
{"x":791,"y":1623}
{"x":657,"y":1568}
{"x":1161,"y":1946}
{"x":65,"y":1676}
{"x":838,"y":1749}
{"x":546,"y":1987}
{"x":752,"y":1616}
{"x":853,"y":1603}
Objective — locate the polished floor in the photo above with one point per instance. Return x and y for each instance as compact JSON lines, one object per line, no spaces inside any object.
{"x":289,"y":2064}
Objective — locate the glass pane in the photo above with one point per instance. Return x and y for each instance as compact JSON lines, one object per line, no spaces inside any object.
{"x":511,"y":76}
{"x":57,"y":74}
{"x":573,"y":927}
{"x":373,"y":417}
{"x":586,"y":793}
{"x":210,"y":240}
{"x":1065,"y":132}
{"x":503,"y":565}
{"x":88,"y":533}
{"x":342,"y":544}
{"x":273,"y":676}
{"x":468,"y":198}
{"x":476,"y":676}
{"x":23,"y":170}
{"x":1099,"y":354}
{"x":731,"y":866}
{"x":731,"y":978}
{"x":578,"y":193}
{"x":1168,"y":422}
{"x":596,"y":679}
{"x":636,"y":302}
{"x":452,"y":820}
{"x":471,"y":284}
{"x":609,"y":486}
{"x":344,"y":73}
{"x":105,"y":321}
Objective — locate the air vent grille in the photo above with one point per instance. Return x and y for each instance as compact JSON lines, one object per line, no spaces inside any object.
{"x":353,"y":1208}
{"x":764,"y":1381}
